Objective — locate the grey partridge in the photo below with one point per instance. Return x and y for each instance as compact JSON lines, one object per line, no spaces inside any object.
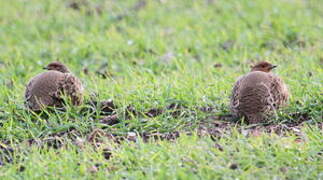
{"x":258,"y":93}
{"x":48,"y":88}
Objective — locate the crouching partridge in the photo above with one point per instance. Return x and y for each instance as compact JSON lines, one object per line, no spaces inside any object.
{"x":48,"y":88}
{"x":258,"y":93}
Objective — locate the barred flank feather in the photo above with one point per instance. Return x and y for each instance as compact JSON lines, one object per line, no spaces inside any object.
{"x":256,"y":95}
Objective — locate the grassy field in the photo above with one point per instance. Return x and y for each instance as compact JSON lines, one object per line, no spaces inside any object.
{"x":168,"y":67}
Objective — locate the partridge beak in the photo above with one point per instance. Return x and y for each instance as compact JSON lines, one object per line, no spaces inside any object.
{"x":273,"y":66}
{"x":45,"y":68}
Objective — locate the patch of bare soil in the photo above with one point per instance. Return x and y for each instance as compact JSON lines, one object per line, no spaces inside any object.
{"x":6,"y":153}
{"x":87,"y":6}
{"x":99,"y":138}
{"x":213,"y":125}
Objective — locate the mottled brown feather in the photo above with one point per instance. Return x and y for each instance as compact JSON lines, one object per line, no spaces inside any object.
{"x":48,"y":88}
{"x":256,"y":95}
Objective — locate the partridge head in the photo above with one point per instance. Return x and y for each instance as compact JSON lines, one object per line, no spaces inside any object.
{"x":57,"y":66}
{"x":263,"y":66}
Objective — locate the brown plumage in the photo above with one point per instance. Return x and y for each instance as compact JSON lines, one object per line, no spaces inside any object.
{"x":258,"y":93}
{"x":48,"y":88}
